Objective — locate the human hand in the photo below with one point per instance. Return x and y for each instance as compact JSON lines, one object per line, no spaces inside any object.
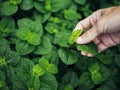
{"x":104,"y":31}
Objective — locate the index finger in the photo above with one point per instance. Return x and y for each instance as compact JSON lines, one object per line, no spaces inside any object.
{"x":83,"y":24}
{"x":89,"y":21}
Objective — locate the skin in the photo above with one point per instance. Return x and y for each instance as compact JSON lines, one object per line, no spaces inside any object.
{"x":104,"y":31}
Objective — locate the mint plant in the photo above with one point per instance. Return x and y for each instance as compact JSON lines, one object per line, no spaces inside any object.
{"x":38,"y":49}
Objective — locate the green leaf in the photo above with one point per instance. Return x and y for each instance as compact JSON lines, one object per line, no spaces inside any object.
{"x":49,"y":82}
{"x":55,"y":20}
{"x":106,"y":72}
{"x":1,"y":84}
{"x":26,"y":65}
{"x":70,"y":78}
{"x":75,"y":34}
{"x":49,"y":6}
{"x":8,"y":9}
{"x":36,"y":27}
{"x":12,"y":58}
{"x":33,"y":83}
{"x":3,"y":62}
{"x":24,"y":48}
{"x":88,"y":48}
{"x":17,"y":79}
{"x":68,"y":56}
{"x":27,"y":3}
{"x":57,"y":5}
{"x":64,"y":24}
{"x":33,"y":26}
{"x":53,"y":56}
{"x":68,"y":87}
{"x":61,"y":87}
{"x":52,"y":28}
{"x":106,"y":59}
{"x":62,"y":38}
{"x":41,"y":17}
{"x":82,"y":2}
{"x":45,"y":47}
{"x":94,"y":68}
{"x":4,"y":43}
{"x":39,"y":6}
{"x":23,"y":33}
{"x":13,"y":38}
{"x":117,"y":61}
{"x":43,"y":62}
{"x":52,"y":68}
{"x":51,"y":37}
{"x":38,"y":70}
{"x":71,"y":15}
{"x":2,"y":79}
{"x":82,"y":63}
{"x":34,"y":39}
{"x":4,"y":88}
{"x":46,"y":88}
{"x":73,"y":6}
{"x":85,"y":82}
{"x":8,"y":57}
{"x":109,"y":84}
{"x":96,"y":78}
{"x":7,"y":26}
{"x":25,"y":22}
{"x":15,"y":2}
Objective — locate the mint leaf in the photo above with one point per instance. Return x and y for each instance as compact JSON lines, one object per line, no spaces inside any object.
{"x":48,"y":81}
{"x":52,"y":68}
{"x":68,"y":56}
{"x":96,"y":78}
{"x":75,"y":34}
{"x":94,"y":68}
{"x":82,"y":2}
{"x":45,"y":47}
{"x":38,"y":70}
{"x":12,"y":8}
{"x":24,"y":48}
{"x":27,"y":3}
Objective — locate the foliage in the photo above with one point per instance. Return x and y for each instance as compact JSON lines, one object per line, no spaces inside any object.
{"x":88,"y":48}
{"x":38,"y":49}
{"x":75,"y":34}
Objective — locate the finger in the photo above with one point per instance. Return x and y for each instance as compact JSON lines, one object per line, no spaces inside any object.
{"x":88,"y":36}
{"x":109,"y":40}
{"x":113,"y":39}
{"x":83,"y":53}
{"x":89,"y":21}
{"x":90,"y":55}
{"x":96,"y":41}
{"x":83,"y":24}
{"x":101,"y":47}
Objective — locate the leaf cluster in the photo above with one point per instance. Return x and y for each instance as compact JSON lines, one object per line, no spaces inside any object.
{"x":38,"y":50}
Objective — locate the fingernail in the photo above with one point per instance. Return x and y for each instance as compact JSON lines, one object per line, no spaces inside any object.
{"x":89,"y":55}
{"x":79,"y":40}
{"x":76,"y":28}
{"x":83,"y":53}
{"x":99,"y":51}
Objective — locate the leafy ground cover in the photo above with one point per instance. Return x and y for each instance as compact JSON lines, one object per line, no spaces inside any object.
{"x":36,"y":53}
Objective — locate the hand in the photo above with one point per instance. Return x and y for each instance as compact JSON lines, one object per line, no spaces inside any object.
{"x":104,"y":31}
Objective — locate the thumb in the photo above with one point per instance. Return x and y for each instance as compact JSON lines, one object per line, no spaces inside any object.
{"x":88,"y":36}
